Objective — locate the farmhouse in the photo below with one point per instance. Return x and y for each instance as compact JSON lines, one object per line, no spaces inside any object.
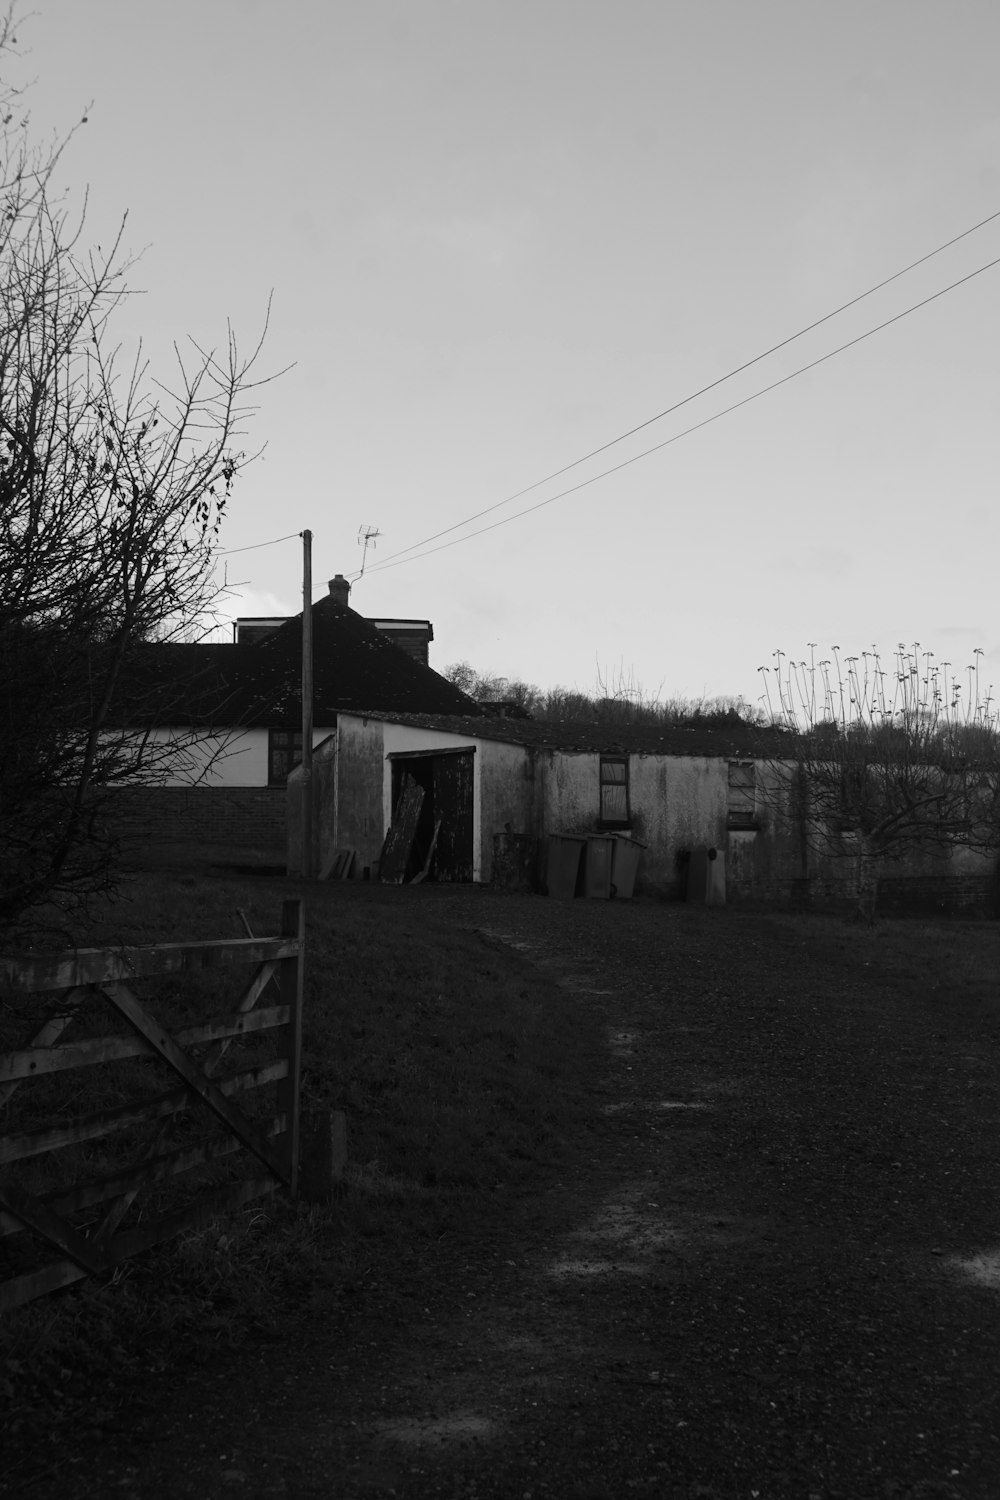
{"x":237,"y":710}
{"x":678,"y":792}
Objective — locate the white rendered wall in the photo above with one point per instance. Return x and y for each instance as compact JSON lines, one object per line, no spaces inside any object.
{"x":235,"y":758}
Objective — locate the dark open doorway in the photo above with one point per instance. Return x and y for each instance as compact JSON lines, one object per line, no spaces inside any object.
{"x":447,"y":781}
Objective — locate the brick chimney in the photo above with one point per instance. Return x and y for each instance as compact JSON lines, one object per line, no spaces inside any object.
{"x":340,"y":590}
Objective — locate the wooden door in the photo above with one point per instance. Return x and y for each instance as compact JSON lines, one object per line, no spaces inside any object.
{"x":452,"y":801}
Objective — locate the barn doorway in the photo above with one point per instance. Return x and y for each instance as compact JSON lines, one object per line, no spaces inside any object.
{"x":443,"y":844}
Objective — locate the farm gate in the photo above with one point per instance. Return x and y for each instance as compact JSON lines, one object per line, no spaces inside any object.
{"x":101,"y":1186}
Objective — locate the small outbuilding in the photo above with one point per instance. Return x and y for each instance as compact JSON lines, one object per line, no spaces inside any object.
{"x":701,"y":802}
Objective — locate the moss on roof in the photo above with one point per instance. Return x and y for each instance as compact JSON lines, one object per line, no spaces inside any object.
{"x":748,"y":742}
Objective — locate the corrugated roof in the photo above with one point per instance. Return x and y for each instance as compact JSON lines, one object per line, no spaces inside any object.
{"x":746,"y":743}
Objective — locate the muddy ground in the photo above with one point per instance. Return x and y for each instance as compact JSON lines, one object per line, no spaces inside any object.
{"x":771,"y":1270}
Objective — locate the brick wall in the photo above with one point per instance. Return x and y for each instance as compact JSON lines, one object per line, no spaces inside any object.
{"x":247,"y":817}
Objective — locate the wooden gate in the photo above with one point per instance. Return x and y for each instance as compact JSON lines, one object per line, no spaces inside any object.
{"x":144,"y":1143}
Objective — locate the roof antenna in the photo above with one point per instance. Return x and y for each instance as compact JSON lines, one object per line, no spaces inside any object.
{"x":367,"y":536}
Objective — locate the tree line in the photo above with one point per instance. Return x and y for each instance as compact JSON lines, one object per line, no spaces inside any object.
{"x":618,"y":699}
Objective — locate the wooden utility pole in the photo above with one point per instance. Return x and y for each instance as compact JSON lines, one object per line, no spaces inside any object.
{"x":308,"y":864}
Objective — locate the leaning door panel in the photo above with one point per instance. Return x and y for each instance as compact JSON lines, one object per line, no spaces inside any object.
{"x":453,"y":781}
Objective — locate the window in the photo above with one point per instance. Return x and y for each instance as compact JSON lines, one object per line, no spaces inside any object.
{"x":284,"y":753}
{"x":742,"y":799}
{"x":614,"y":790}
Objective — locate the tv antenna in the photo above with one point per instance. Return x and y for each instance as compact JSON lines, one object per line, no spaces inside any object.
{"x":367,"y":537}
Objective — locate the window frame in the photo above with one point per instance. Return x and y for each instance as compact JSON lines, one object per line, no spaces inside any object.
{"x":745,"y":816}
{"x":292,"y":748}
{"x":605,"y":762}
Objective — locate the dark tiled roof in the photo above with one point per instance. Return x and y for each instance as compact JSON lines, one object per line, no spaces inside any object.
{"x":355,"y":667}
{"x":174,"y":683}
{"x":735,"y":743}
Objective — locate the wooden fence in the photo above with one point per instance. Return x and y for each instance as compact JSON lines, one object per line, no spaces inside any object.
{"x":141,"y":1144}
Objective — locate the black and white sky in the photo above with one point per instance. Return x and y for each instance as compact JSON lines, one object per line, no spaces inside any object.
{"x":501,"y":233}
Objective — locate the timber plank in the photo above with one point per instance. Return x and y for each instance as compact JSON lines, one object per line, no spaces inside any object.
{"x":402,"y":832}
{"x":22,"y":973}
{"x":266,"y":1018}
{"x":155,"y":1169}
{"x":32,"y":1062}
{"x":93,"y":1127}
{"x":52,"y":1278}
{"x":257,"y":986}
{"x":208,"y":1092}
{"x":17,"y":1147}
{"x":423,"y":873}
{"x":253,"y":1078}
{"x":50,"y":1227}
{"x":52,"y":1030}
{"x":291,"y":981}
{"x":152,"y":1169}
{"x":337,"y":865}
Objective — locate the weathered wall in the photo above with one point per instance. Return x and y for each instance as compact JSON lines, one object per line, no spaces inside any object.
{"x":676,"y":805}
{"x":694,"y":816}
{"x":570,"y":791}
{"x":775,"y":857}
{"x":504,"y":785}
{"x":507,"y":794}
{"x":325,"y":770}
{"x":784,"y":862}
{"x":361,"y":772}
{"x":324,"y":809}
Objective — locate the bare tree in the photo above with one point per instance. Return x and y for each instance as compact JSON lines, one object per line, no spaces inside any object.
{"x":112,"y":490}
{"x":622,"y":699}
{"x":491,"y":688}
{"x":884,"y":762}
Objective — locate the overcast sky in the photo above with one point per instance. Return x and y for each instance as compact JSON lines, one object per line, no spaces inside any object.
{"x":501,"y":233}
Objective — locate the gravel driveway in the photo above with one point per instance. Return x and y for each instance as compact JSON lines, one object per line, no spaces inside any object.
{"x":772,"y":1270}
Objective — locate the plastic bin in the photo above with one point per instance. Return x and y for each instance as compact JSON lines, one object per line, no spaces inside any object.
{"x":597,"y":870}
{"x":624,"y":867}
{"x":563,"y":872}
{"x":706,"y":882}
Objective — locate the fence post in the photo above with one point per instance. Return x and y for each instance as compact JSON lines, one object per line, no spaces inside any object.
{"x":290,"y":979}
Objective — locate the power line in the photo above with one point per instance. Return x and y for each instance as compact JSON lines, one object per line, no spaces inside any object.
{"x":400,"y":560}
{"x":668,"y":411}
{"x":229,"y":551}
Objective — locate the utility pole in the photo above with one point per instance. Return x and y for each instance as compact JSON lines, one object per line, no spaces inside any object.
{"x":308,"y":863}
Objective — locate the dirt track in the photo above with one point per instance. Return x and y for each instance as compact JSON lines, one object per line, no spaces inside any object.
{"x":772,"y":1271}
